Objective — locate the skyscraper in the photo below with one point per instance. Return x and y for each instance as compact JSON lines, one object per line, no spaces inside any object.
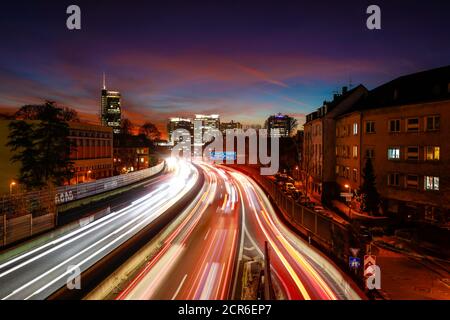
{"x":110,"y":112}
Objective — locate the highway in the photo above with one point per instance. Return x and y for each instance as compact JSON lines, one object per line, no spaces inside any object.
{"x":299,"y":270}
{"x":231,"y":215}
{"x":197,"y":261}
{"x":40,"y":271}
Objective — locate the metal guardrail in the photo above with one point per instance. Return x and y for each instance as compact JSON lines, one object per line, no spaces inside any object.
{"x":66,"y":194}
{"x":25,"y":214}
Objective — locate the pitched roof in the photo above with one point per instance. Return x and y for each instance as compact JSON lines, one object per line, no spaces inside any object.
{"x":426,"y":86}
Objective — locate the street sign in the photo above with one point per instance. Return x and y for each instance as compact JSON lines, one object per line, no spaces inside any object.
{"x":354,"y":262}
{"x":346,"y":194}
{"x":369,"y":260}
{"x":354,"y":251}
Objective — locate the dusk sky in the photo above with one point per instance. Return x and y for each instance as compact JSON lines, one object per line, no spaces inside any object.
{"x":241,"y":59}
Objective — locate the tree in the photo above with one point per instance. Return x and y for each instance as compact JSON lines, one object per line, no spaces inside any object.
{"x":38,"y":111}
{"x":126,"y":127}
{"x":370,"y":198}
{"x":293,"y":124}
{"x":150,"y":131}
{"x":42,"y":147}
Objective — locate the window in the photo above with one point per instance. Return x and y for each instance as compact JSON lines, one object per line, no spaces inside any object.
{"x":355,"y":151}
{"x":370,"y":153}
{"x":355,"y":129}
{"x":337,"y":170}
{"x":412,"y":124}
{"x":337,"y":131}
{"x":433,"y":123}
{"x":355,"y":175}
{"x":432,"y":153}
{"x":370,"y":127}
{"x":412,"y":153}
{"x":431,"y":183}
{"x":394,"y":153}
{"x":347,"y":172}
{"x":394,"y":179}
{"x":412,"y":181}
{"x":394,"y":125}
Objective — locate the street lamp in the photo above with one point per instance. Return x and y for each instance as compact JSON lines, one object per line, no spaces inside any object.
{"x":11,"y":185}
{"x":349,"y":201}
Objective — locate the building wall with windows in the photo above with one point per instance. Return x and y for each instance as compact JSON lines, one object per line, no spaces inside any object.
{"x":348,"y":152}
{"x":92,"y":153}
{"x":410,"y":152}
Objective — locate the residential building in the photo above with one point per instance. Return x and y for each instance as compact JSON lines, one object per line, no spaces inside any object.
{"x":404,"y":130}
{"x":319,"y":161}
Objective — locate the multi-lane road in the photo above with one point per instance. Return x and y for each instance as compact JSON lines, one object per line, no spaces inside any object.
{"x":199,"y":259}
{"x":38,"y":272}
{"x":228,"y":220}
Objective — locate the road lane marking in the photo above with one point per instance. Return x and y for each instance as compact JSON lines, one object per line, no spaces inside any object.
{"x":179,"y":287}
{"x":207,"y":234}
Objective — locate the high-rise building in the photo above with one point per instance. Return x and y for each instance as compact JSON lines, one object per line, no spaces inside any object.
{"x":279,"y":125}
{"x":179,"y":123}
{"x":203,"y":123}
{"x":111,"y":111}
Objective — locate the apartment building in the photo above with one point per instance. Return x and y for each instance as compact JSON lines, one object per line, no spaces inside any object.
{"x":319,"y":160}
{"x":403,"y":127}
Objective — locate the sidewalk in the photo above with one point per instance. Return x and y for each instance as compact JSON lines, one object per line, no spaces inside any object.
{"x":353,"y":214}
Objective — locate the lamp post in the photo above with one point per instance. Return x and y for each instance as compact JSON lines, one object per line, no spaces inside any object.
{"x":11,"y":185}
{"x":349,"y":201}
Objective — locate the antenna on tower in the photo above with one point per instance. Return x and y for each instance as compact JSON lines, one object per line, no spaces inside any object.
{"x":104,"y":82}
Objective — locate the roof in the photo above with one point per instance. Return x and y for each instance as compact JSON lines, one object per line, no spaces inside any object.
{"x":426,"y":86}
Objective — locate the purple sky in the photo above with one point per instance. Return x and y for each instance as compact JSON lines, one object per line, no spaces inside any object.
{"x":243,"y":59}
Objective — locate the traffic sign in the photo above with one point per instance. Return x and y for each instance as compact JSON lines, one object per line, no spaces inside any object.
{"x":354,"y":262}
{"x":369,"y":260}
{"x":354,"y":251}
{"x":346,"y":194}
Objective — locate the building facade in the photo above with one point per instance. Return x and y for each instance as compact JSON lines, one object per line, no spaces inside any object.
{"x":232,"y":125}
{"x":179,"y":123}
{"x":279,"y":125}
{"x":401,"y":127}
{"x":92,"y":153}
{"x":319,"y":161}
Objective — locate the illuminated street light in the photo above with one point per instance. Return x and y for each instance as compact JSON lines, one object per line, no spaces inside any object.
{"x":11,"y":185}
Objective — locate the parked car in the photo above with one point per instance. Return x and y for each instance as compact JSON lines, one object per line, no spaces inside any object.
{"x":290,"y":187}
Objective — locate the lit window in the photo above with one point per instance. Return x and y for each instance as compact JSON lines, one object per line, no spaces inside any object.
{"x":355,"y":151}
{"x":431,"y":183}
{"x":355,"y":175}
{"x":394,"y":153}
{"x":412,"y":124}
{"x":412,"y":153}
{"x":432,"y":153}
{"x":433,"y":123}
{"x":394,"y":125}
{"x":355,"y":129}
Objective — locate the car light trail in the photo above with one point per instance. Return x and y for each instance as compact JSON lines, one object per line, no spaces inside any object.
{"x":38,"y":272}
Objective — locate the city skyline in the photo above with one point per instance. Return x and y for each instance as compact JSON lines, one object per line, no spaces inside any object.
{"x":171,"y":65}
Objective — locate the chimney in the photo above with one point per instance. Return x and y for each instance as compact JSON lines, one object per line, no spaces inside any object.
{"x":344,"y":90}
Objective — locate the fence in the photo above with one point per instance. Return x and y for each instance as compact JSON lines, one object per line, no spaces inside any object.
{"x":27,"y":214}
{"x":66,"y":194}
